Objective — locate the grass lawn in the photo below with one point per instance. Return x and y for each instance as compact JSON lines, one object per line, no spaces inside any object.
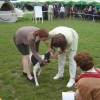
{"x":13,"y":86}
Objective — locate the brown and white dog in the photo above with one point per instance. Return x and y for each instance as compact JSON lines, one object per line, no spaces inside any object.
{"x":36,"y":65}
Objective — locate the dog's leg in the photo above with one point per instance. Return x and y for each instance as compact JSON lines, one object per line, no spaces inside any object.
{"x":39,"y":71}
{"x":30,"y":55}
{"x":35,"y":68}
{"x":40,"y":68}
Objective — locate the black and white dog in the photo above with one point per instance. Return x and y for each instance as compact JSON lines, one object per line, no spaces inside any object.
{"x":36,"y":65}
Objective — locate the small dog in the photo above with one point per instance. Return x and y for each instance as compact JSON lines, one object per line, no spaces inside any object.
{"x":36,"y":65}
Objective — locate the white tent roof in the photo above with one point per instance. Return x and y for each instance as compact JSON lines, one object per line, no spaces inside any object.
{"x":14,"y":1}
{"x":54,"y":0}
{"x":7,"y":12}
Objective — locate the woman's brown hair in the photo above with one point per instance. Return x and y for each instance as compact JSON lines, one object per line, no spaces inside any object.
{"x":84,"y":61}
{"x":59,"y":41}
{"x":42,"y":33}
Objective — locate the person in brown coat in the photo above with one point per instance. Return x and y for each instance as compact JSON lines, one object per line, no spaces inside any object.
{"x":88,"y":83}
{"x":28,"y":38}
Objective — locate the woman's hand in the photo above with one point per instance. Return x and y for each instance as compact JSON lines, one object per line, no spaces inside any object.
{"x":43,"y":63}
{"x":54,"y":54}
{"x":51,"y":50}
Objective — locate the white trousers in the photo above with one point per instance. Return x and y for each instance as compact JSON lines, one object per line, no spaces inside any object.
{"x":72,"y":63}
{"x":50,"y":16}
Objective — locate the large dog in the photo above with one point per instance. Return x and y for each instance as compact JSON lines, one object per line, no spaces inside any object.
{"x":36,"y":65}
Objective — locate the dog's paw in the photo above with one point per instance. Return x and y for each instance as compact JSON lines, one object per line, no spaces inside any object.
{"x":38,"y":73}
{"x":37,"y":84}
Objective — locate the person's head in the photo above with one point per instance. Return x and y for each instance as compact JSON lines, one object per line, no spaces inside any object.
{"x":42,"y":33}
{"x":84,"y":61}
{"x":59,"y":41}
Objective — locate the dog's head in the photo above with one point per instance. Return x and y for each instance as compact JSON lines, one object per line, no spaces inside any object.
{"x":47,"y":57}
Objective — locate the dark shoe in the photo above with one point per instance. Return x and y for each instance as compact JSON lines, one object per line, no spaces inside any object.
{"x":24,"y":74}
{"x":32,"y":80}
{"x":32,"y":74}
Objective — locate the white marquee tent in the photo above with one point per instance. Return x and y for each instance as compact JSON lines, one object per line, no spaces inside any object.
{"x":84,"y":2}
{"x":7,"y":12}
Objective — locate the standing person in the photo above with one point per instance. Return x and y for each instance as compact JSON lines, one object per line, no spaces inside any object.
{"x":50,"y":12}
{"x":45,"y":13}
{"x":66,"y":40}
{"x":62,"y":11}
{"x":72,"y":11}
{"x":57,"y":12}
{"x":88,"y":83}
{"x":26,"y":38}
{"x":90,"y":13}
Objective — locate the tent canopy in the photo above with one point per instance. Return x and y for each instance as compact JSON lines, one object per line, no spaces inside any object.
{"x":75,"y":2}
{"x":7,"y":12}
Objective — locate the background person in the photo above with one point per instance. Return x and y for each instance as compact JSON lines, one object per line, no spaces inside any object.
{"x":62,"y":11}
{"x":72,"y":11}
{"x":88,"y":83}
{"x":50,"y":12}
{"x":66,"y":40}
{"x":26,"y":38}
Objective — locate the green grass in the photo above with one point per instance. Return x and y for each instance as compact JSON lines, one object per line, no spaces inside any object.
{"x":13,"y":86}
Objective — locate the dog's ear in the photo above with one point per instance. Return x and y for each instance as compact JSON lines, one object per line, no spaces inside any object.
{"x":47,"y":57}
{"x":34,"y":60}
